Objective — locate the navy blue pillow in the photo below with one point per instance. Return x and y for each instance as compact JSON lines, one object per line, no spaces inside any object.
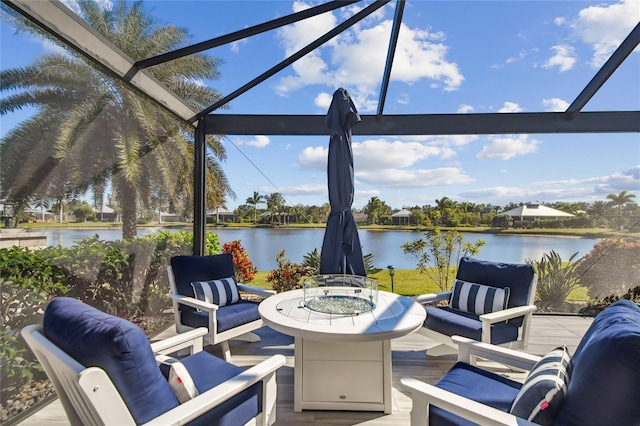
{"x":96,"y":339}
{"x":605,"y":371}
{"x":189,"y":269}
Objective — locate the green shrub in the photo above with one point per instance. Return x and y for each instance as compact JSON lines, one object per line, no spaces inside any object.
{"x":598,"y":305}
{"x":556,"y":279}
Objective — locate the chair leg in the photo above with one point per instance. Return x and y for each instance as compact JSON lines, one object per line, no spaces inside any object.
{"x":226,"y":352}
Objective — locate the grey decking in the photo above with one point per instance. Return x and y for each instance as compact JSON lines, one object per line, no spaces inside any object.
{"x":409,"y":359}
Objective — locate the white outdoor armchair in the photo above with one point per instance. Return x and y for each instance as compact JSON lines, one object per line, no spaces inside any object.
{"x":235,"y":320}
{"x":104,"y":371}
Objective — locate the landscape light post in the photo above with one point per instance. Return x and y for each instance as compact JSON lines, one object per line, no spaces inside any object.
{"x":392,"y":272}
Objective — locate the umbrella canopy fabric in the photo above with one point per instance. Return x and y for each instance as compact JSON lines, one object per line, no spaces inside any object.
{"x":341,"y":251}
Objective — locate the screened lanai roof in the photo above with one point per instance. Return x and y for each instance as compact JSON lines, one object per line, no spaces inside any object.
{"x":54,"y":17}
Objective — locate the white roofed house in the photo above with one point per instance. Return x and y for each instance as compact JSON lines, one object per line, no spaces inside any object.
{"x":403,"y":217}
{"x":534,"y":211}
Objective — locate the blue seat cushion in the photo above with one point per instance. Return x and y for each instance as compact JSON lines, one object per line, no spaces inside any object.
{"x":605,"y":371}
{"x":476,"y":384}
{"x":516,"y":276}
{"x":189,"y":269}
{"x":237,"y":410}
{"x":119,"y":347}
{"x":228,"y":317}
{"x":451,"y":322}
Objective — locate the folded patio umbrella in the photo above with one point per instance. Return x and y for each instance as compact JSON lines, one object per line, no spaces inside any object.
{"x":341,"y":251}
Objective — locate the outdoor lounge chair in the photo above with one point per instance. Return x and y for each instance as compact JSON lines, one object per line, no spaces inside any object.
{"x":598,"y":385}
{"x":106,"y":372}
{"x":470,"y":313}
{"x":225,"y":315}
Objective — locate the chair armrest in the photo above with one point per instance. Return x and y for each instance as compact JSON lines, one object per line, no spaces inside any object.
{"x":469,"y":347}
{"x":255,"y":290}
{"x":191,"y":339}
{"x":428,"y":298}
{"x":423,"y":394}
{"x":206,"y":401}
{"x":507,"y":314}
{"x":194,"y":303}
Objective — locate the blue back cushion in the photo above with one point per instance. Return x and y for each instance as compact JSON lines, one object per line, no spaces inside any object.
{"x":516,"y":276}
{"x":188,"y":269}
{"x":96,"y":339}
{"x":605,"y":371}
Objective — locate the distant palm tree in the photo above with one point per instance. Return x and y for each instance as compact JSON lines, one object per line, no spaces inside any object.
{"x":254,"y":201}
{"x":619,"y":200}
{"x":91,"y":129}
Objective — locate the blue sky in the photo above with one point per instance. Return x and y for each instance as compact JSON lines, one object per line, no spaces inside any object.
{"x":452,"y":57}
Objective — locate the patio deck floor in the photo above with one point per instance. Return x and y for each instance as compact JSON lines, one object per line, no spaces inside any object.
{"x":409,"y":359}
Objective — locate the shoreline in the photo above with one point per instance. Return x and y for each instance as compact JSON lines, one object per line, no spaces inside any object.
{"x":541,"y":232}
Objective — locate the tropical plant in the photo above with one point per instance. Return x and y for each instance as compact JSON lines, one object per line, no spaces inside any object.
{"x":556,"y":279}
{"x":90,"y":129}
{"x":439,"y":253}
{"x":311,"y":263}
{"x":287,"y":275}
{"x":245,"y":271}
{"x":618,"y":201}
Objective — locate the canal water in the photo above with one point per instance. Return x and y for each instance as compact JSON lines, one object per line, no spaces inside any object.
{"x":263,"y":244}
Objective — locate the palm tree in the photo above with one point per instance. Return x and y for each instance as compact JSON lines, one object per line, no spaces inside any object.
{"x":254,"y":201}
{"x":621,"y":199}
{"x":91,"y":130}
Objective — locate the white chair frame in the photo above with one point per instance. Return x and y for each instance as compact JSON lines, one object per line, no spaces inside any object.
{"x":90,"y":398}
{"x":424,"y":395}
{"x":448,"y":344}
{"x":243,"y":332}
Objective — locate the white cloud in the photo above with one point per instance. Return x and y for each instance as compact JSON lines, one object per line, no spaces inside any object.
{"x":506,"y":147}
{"x":605,"y":26}
{"x":465,"y":109}
{"x":403,"y":99}
{"x":555,"y":104}
{"x":510,"y":107}
{"x":564,"y":58}
{"x":323,"y":100}
{"x":407,"y":178}
{"x":420,"y":54}
{"x":260,"y":141}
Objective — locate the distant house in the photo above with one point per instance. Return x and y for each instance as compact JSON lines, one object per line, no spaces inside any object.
{"x":220,"y":214}
{"x":535,"y":212}
{"x":106,"y":214}
{"x":403,"y":217}
{"x":170,"y":217}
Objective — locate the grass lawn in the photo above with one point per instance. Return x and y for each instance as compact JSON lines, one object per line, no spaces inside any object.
{"x":409,"y":282}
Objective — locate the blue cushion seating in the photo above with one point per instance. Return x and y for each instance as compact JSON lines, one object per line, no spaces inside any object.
{"x":231,"y":316}
{"x":605,"y":371}
{"x":122,"y":350}
{"x":544,"y":389}
{"x":497,"y":274}
{"x":454,"y":322}
{"x":477,"y":298}
{"x":221,"y":292}
{"x":477,"y":384}
{"x":189,"y":269}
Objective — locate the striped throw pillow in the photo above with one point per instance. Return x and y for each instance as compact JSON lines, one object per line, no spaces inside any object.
{"x":543,"y":391}
{"x":478,"y":299}
{"x":220,"y":292}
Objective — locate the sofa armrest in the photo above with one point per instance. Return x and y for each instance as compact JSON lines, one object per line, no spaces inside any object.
{"x":425,"y":299}
{"x":255,"y":290}
{"x":468,"y":348}
{"x":507,"y":314}
{"x":423,"y":394}
{"x":191,"y":339}
{"x":194,"y":303}
{"x":208,"y":400}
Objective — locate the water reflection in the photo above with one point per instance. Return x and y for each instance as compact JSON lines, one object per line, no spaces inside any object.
{"x":263,"y":244}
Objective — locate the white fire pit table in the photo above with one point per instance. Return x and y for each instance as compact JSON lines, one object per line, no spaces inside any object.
{"x":342,"y":361}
